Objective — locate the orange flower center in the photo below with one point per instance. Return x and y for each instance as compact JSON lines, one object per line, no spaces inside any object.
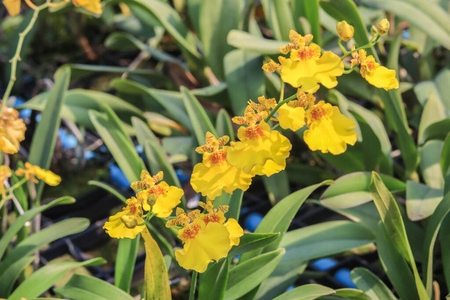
{"x":211,"y":218}
{"x":218,"y":157}
{"x":156,"y":190}
{"x":306,"y":53}
{"x":317,"y":113}
{"x":191,"y":232}
{"x":253,"y":132}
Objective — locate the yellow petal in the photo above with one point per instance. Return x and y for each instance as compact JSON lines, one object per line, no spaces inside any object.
{"x":307,"y":74}
{"x":116,"y":228}
{"x":382,"y":77}
{"x":211,"y":243}
{"x":332,"y":132}
{"x":12,"y":6}
{"x":166,"y":202}
{"x":92,"y":5}
{"x":235,"y":231}
{"x":269,"y":168}
{"x":292,"y":118}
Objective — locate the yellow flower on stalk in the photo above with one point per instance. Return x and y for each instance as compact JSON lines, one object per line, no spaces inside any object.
{"x":329,"y":130}
{"x":345,"y":31}
{"x":375,"y":74}
{"x":92,"y":5}
{"x":12,"y":131}
{"x":215,"y":174}
{"x":124,"y":224}
{"x":206,"y":238}
{"x":260,"y":151}
{"x":5,"y":172}
{"x":306,"y":67}
{"x":159,"y":198}
{"x":292,"y":114}
{"x":12,"y":6}
{"x":31,"y":171}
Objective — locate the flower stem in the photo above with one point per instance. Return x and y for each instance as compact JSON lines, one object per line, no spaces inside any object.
{"x":10,"y":192}
{"x":193,"y":285}
{"x":278,"y":106}
{"x":342,"y":47}
{"x":14,"y":60}
{"x":362,"y":47}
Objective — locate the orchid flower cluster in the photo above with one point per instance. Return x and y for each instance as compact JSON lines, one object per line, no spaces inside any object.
{"x":261,"y":150}
{"x":94,"y":6}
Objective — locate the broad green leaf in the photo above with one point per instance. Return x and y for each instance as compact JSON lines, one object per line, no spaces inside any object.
{"x":217,"y":18}
{"x":82,"y":287}
{"x":234,"y":201}
{"x":350,"y":294}
{"x":171,"y":21}
{"x":201,"y":123}
{"x":44,"y":138}
{"x":437,"y":87}
{"x":223,"y":124}
{"x":352,"y":160}
{"x":413,"y":13}
{"x":213,"y":282}
{"x":249,"y":42}
{"x":252,"y":241}
{"x":394,"y":227}
{"x":9,"y":273}
{"x":79,"y":102}
{"x":370,"y":284}
{"x":17,"y":225}
{"x":444,"y":239}
{"x":244,"y":77}
{"x":353,"y":189}
{"x":279,"y":18}
{"x":125,"y":260}
{"x":157,"y":285}
{"x":44,"y":278}
{"x":430,"y":154}
{"x":437,"y":131}
{"x":248,"y":275}
{"x":421,"y":200}
{"x":433,"y":111}
{"x":280,"y":216}
{"x":308,"y":10}
{"x":431,"y":234}
{"x":109,"y":189}
{"x":277,"y":186}
{"x":324,"y":239}
{"x":307,"y":292}
{"x":445,"y":157}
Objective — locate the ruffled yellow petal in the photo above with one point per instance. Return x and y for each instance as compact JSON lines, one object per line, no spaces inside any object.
{"x":330,"y":132}
{"x":292,"y":118}
{"x":258,"y":145}
{"x":308,"y":73}
{"x":212,"y":179}
{"x":116,"y":227}
{"x":212,"y":242}
{"x":382,"y":77}
{"x":47,"y":176}
{"x":269,"y":168}
{"x":235,"y":231}
{"x":166,"y":202}
{"x":12,"y":6}
{"x":92,"y":5}
{"x":12,"y":131}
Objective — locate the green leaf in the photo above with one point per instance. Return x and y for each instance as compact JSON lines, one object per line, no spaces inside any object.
{"x":307,"y":292}
{"x":223,"y":124}
{"x":125,"y":261}
{"x":45,"y":277}
{"x":394,"y":227}
{"x":432,"y":231}
{"x":109,"y":189}
{"x":353,"y":189}
{"x":234,"y":201}
{"x":416,"y":16}
{"x":324,"y":239}
{"x":280,"y":216}
{"x":421,"y":200}
{"x":197,"y":114}
{"x":249,"y":42}
{"x":213,"y":282}
{"x":9,"y":270}
{"x":82,"y":287}
{"x":18,"y":224}
{"x":445,"y":157}
{"x":370,"y":284}
{"x":277,"y":186}
{"x":44,"y":138}
{"x":433,"y":111}
{"x":248,"y":275}
{"x":244,"y":74}
{"x":252,"y":241}
{"x":430,"y":154}
{"x":217,"y":18}
{"x":437,"y":131}
{"x":444,"y":239}
{"x":279,"y":18}
{"x":438,"y":87}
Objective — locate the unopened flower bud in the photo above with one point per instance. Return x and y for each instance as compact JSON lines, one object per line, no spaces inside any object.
{"x":373,"y":31}
{"x":151,"y":200}
{"x":345,"y":31}
{"x":130,"y":221}
{"x":383,"y":27}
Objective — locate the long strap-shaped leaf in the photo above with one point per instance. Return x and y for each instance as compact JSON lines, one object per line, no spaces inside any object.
{"x":156,"y":278}
{"x":394,"y":227}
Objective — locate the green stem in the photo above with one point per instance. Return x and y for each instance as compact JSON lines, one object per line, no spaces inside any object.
{"x":278,"y":106}
{"x":281,"y":90}
{"x":10,"y":191}
{"x":342,"y":47}
{"x":193,"y":285}
{"x":362,"y":47}
{"x":350,"y":70}
{"x":16,"y":58}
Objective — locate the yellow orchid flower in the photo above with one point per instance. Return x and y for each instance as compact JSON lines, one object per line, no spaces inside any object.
{"x":31,"y":171}
{"x":124,"y":224}
{"x":5,"y":173}
{"x":12,"y":131}
{"x":92,"y":5}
